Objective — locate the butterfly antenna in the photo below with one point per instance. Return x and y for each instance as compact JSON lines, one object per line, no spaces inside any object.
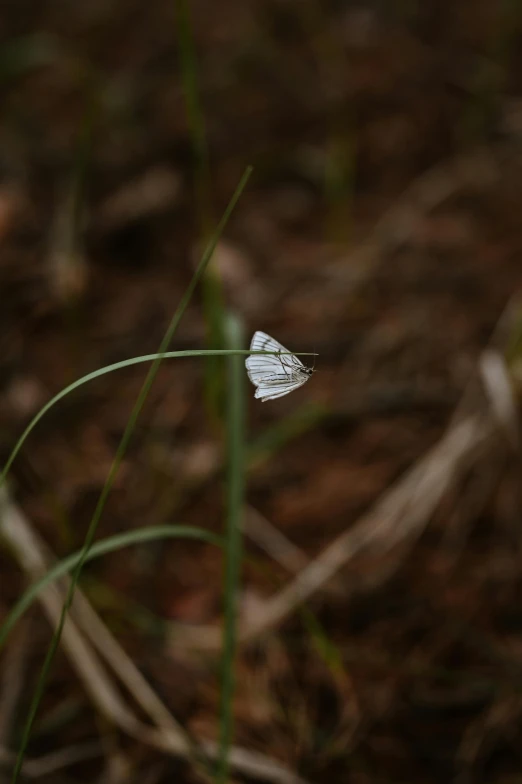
{"x":315,"y":355}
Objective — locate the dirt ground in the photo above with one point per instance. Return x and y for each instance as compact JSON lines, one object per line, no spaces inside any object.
{"x":381,"y":229}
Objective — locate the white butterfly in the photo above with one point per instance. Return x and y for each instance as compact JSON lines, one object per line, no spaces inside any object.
{"x":274,"y":376}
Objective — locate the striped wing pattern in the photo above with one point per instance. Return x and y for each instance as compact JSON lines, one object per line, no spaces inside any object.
{"x":274,"y":376}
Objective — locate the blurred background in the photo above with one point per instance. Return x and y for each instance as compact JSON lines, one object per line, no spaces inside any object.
{"x":381,"y":228}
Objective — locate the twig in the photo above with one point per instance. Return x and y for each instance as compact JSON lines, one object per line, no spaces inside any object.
{"x":272,"y":541}
{"x":16,"y":530}
{"x":499,"y":389}
{"x":22,"y":541}
{"x":402,"y":512}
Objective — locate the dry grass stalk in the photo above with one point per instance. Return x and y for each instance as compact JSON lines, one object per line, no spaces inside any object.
{"x":87,"y":631}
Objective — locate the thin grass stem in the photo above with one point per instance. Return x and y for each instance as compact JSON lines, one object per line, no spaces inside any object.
{"x":233,"y":540}
{"x":120,"y":452}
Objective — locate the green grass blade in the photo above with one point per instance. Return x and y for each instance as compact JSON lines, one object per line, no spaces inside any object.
{"x":122,"y":448}
{"x":233,"y":540}
{"x":212,"y":295}
{"x":98,"y":549}
{"x":195,"y":117}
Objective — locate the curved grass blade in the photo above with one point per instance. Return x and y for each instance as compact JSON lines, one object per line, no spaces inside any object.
{"x":96,"y":374}
{"x":98,"y":549}
{"x":110,"y":369}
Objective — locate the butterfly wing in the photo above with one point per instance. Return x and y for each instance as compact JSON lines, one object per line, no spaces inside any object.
{"x":263,"y":342}
{"x":270,"y":389}
{"x":260,"y":366}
